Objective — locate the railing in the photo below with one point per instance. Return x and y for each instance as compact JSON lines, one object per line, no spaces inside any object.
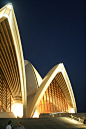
{"x":78,"y":118}
{"x":62,"y":114}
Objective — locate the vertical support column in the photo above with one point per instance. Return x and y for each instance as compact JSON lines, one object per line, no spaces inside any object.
{"x":49,"y":100}
{"x":61,"y":102}
{"x":67,"y":107}
{"x":54,"y":100}
{"x":40,"y":106}
{"x":43,"y":104}
{"x":52,"y":97}
{"x":2,"y":94}
{"x":55,"y":96}
{"x":58,"y":99}
{"x":64,"y":105}
{"x":6,"y":96}
{"x":10,"y":103}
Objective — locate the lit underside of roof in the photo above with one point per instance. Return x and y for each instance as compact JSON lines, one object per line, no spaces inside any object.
{"x":12,"y":62}
{"x":59,"y":74}
{"x":13,"y":70}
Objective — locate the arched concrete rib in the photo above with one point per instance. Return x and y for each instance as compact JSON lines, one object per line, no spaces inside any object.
{"x":33,"y":79}
{"x":33,"y":103}
{"x":7,"y":12}
{"x":32,"y":74}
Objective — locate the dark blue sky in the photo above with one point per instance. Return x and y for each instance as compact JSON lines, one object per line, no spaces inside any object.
{"x":52,"y":32}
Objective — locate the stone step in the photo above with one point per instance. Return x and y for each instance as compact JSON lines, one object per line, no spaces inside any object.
{"x":43,"y":123}
{"x":7,"y":115}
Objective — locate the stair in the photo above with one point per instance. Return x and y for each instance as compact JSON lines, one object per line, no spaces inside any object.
{"x":6,"y":115}
{"x":43,"y":123}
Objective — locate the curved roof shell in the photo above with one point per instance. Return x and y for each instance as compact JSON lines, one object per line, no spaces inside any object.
{"x":66,"y":88}
{"x":14,"y":62}
{"x":12,"y":65}
{"x":33,"y":79}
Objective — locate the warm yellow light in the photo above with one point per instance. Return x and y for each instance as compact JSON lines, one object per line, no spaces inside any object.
{"x":17,"y":109}
{"x":72,"y":110}
{"x":36,"y":114}
{"x":9,"y":6}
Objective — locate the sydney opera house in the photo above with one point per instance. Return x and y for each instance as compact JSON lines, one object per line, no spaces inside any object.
{"x":22,"y":89}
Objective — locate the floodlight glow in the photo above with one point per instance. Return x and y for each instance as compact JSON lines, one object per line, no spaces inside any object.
{"x":72,"y":110}
{"x":36,"y":114}
{"x":9,"y":6}
{"x":17,"y":109}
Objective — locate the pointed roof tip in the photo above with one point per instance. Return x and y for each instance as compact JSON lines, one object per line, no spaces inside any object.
{"x":8,"y":5}
{"x":61,"y":64}
{"x":5,"y":10}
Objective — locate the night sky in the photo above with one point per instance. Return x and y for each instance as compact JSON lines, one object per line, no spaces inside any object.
{"x":52,"y":32}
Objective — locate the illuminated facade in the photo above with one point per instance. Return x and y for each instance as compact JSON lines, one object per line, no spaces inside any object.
{"x":20,"y":83}
{"x":12,"y":73}
{"x":54,"y":94}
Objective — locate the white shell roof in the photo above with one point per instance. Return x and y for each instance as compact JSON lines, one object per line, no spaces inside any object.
{"x":46,"y":82}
